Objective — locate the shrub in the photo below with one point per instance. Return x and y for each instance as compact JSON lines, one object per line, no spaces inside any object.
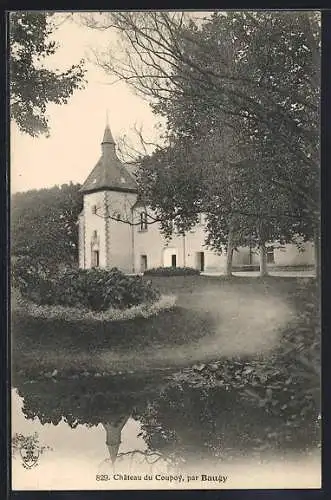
{"x":93,"y":289}
{"x":77,"y":314}
{"x":32,"y":280}
{"x":172,"y":271}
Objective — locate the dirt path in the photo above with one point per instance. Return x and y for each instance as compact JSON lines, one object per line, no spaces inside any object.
{"x":245,"y":325}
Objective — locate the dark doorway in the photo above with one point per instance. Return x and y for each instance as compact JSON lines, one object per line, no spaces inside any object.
{"x":143,"y":263}
{"x":250,"y":255}
{"x":174,"y":260}
{"x":270,"y":255}
{"x":95,"y":258}
{"x":201,"y":261}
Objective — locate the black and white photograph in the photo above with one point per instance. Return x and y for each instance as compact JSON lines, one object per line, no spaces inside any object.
{"x":165,"y":249}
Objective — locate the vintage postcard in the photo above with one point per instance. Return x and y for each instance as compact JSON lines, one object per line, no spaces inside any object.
{"x":165,"y":250}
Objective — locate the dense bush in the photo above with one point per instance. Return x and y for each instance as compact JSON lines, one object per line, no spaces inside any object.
{"x":93,"y":289}
{"x":172,"y":271}
{"x":246,"y":268}
{"x":32,"y":279}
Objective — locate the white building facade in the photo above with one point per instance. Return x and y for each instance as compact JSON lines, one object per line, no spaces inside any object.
{"x":115,"y":230}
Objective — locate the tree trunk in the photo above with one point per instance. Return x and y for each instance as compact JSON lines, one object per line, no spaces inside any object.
{"x":229,"y":254}
{"x":263,"y":260}
{"x":317,"y":255}
{"x":262,"y":249}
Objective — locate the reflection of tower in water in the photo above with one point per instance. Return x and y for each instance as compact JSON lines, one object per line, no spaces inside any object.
{"x":137,"y":457}
{"x":114,"y":435}
{"x":114,"y":410}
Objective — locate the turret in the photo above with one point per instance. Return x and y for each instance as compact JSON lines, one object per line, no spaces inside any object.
{"x":109,"y":192}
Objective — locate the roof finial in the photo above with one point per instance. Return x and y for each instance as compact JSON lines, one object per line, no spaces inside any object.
{"x":107,"y":137}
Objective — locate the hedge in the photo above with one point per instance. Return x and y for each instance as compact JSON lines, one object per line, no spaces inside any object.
{"x":172,"y":271}
{"x":78,"y":314}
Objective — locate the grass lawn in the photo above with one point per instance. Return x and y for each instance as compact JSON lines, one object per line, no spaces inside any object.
{"x":214,"y":318}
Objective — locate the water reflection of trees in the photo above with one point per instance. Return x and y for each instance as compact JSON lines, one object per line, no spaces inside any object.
{"x":89,"y":401}
{"x":195,"y":422}
{"x":178,"y":422}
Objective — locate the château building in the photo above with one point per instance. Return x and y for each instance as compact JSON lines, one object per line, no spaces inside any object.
{"x":115,"y":230}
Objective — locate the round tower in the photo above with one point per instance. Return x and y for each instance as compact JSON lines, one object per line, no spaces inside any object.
{"x":105,"y":229}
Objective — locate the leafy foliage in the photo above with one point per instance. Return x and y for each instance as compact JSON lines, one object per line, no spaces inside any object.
{"x":93,"y":289}
{"x":172,"y":271}
{"x":199,"y":421}
{"x":32,"y":85}
{"x":44,"y":231}
{"x":274,"y":118}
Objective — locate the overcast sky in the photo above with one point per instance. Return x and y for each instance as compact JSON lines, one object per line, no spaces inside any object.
{"x":73,"y":148}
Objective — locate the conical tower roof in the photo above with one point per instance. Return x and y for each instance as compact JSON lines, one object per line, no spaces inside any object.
{"x":107,"y":136}
{"x":109,"y":173}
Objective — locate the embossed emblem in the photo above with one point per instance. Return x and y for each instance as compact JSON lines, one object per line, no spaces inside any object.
{"x":29,"y":454}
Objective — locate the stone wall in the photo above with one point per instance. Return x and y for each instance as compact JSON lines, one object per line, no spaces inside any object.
{"x":93,"y":223}
{"x":159,"y":251}
{"x":120,"y":234}
{"x":81,"y":240}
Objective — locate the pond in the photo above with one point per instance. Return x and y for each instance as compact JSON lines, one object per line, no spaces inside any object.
{"x":153,"y":431}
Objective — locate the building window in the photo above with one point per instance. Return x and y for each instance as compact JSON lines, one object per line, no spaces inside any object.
{"x":200,"y":258}
{"x":174,"y":260}
{"x":143,"y":221}
{"x":94,"y":209}
{"x":95,"y":258}
{"x":95,"y":234}
{"x":270,"y":255}
{"x":143,"y":263}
